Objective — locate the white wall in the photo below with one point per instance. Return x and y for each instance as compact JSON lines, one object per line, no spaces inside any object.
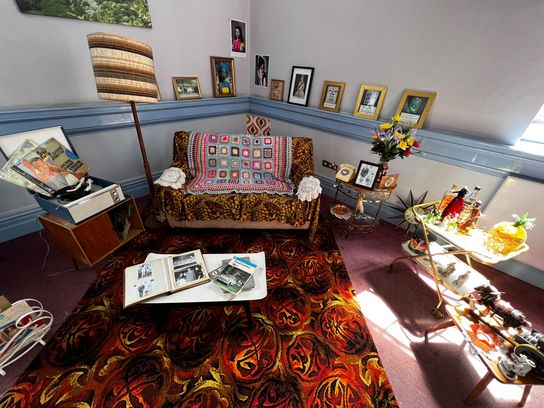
{"x":483,"y":58}
{"x":45,"y":60}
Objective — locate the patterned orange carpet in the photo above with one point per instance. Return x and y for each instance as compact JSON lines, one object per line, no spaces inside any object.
{"x":310,"y":346}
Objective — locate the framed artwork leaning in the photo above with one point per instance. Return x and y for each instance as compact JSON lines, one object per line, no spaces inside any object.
{"x":276,"y":89}
{"x":331,"y":97}
{"x":186,"y":87}
{"x":223,"y":77}
{"x":414,"y":107}
{"x":300,"y":85}
{"x":369,"y":102}
{"x":366,"y":175}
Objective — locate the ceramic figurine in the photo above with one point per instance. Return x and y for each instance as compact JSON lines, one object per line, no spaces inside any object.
{"x":515,"y":366}
{"x":447,"y":271}
{"x":461,"y":279}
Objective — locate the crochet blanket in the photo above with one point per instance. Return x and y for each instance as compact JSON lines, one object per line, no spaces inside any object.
{"x":223,"y":163}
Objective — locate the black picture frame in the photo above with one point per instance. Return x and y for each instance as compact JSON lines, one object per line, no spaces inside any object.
{"x":300,"y":85}
{"x":366,"y":175}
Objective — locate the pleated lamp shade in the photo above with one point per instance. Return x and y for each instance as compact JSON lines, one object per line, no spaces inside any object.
{"x":123,"y":68}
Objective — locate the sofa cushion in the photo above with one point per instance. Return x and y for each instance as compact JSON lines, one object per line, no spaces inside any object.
{"x":225,"y":163}
{"x":257,"y":125}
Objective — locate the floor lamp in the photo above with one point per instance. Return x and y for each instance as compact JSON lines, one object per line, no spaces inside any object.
{"x":124,"y":71}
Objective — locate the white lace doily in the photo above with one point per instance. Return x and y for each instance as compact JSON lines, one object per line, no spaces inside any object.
{"x":172,"y":177}
{"x":309,"y":189}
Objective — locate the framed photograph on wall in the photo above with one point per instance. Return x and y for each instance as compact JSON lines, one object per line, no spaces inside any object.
{"x":414,"y":107}
{"x":186,"y":87}
{"x":276,"y":89}
{"x":223,"y":78}
{"x":238,"y":38}
{"x":301,"y":83}
{"x":370,"y":101}
{"x":331,"y":97}
{"x":262,"y":66}
{"x":366,"y":174}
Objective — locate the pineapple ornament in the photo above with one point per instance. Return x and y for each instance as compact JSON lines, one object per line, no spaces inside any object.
{"x":506,"y":237}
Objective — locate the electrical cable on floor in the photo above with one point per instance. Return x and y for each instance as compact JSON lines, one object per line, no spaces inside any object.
{"x":47,"y":252}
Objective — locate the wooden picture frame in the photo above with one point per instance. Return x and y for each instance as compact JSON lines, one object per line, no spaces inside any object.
{"x":331,"y":96}
{"x":223,"y":77}
{"x":276,"y":89}
{"x":388,"y":182}
{"x":300,"y":85}
{"x":366,"y":175}
{"x":369,"y":102}
{"x":186,"y":87}
{"x":414,"y":107}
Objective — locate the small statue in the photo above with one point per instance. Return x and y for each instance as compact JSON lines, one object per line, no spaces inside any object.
{"x":447,"y":271}
{"x":515,"y":366}
{"x":491,"y":297}
{"x":461,"y":279}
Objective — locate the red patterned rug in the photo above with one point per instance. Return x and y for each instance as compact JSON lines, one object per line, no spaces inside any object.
{"x":310,"y":346}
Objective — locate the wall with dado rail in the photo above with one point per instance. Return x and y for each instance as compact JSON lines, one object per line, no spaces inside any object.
{"x":337,"y":137}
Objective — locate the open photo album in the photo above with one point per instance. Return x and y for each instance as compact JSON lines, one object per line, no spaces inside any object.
{"x":161,"y":275}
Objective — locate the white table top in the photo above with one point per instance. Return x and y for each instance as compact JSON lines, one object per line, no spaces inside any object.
{"x":210,"y":292}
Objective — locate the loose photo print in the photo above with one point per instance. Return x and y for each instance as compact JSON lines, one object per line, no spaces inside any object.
{"x":261,"y":70}
{"x":145,"y":283}
{"x":238,"y":38}
{"x":189,"y":270}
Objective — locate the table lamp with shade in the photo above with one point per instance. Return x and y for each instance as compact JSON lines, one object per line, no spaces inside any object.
{"x":124,"y":71}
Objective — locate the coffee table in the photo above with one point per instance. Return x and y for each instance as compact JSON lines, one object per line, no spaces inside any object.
{"x":209,"y":293}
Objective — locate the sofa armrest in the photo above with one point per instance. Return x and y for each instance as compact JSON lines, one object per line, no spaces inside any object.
{"x":303,"y":160}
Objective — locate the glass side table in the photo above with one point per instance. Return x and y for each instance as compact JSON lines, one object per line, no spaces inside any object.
{"x":357,"y":220}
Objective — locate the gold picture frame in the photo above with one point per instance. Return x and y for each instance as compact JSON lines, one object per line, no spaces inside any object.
{"x":369,"y":102}
{"x":414,"y":107}
{"x":223,"y":77}
{"x":331,"y":96}
{"x":277,"y":87}
{"x":186,"y":88}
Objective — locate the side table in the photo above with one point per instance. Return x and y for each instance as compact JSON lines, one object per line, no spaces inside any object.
{"x":94,"y":239}
{"x":356,"y":219}
{"x":456,"y":315}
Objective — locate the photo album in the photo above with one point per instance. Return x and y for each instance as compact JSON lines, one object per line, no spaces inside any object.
{"x":163,"y":275}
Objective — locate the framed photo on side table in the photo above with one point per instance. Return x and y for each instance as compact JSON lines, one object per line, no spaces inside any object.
{"x":331,"y":97}
{"x":223,"y":79}
{"x":186,"y":87}
{"x":370,"y":101}
{"x":301,"y":83}
{"x":366,"y":174}
{"x":276,"y":89}
{"x":414,"y":107}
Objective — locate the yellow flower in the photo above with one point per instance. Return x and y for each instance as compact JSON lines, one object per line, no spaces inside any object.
{"x":410,"y":142}
{"x":403,"y":145}
{"x":398,"y":134}
{"x":385,"y":126}
{"x":375,"y":136}
{"x":396,"y":118}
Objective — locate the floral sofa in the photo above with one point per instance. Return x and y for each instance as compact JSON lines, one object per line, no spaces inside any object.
{"x":181,"y":197}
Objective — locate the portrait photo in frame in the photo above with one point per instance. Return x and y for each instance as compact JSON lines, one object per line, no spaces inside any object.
{"x":300,"y":85}
{"x":414,"y":107}
{"x":223,"y":77}
{"x":262,"y":67}
{"x":186,"y":87}
{"x":238,"y":38}
{"x":366,"y":175}
{"x":331,"y":97}
{"x":276,"y":89}
{"x":370,"y":101}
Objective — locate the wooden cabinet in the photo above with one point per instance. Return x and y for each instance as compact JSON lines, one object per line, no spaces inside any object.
{"x":94,"y":239}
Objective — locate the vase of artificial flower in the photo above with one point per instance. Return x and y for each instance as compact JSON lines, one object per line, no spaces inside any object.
{"x":392,"y":140}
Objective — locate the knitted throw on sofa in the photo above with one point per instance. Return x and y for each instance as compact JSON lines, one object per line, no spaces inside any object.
{"x":224,"y":163}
